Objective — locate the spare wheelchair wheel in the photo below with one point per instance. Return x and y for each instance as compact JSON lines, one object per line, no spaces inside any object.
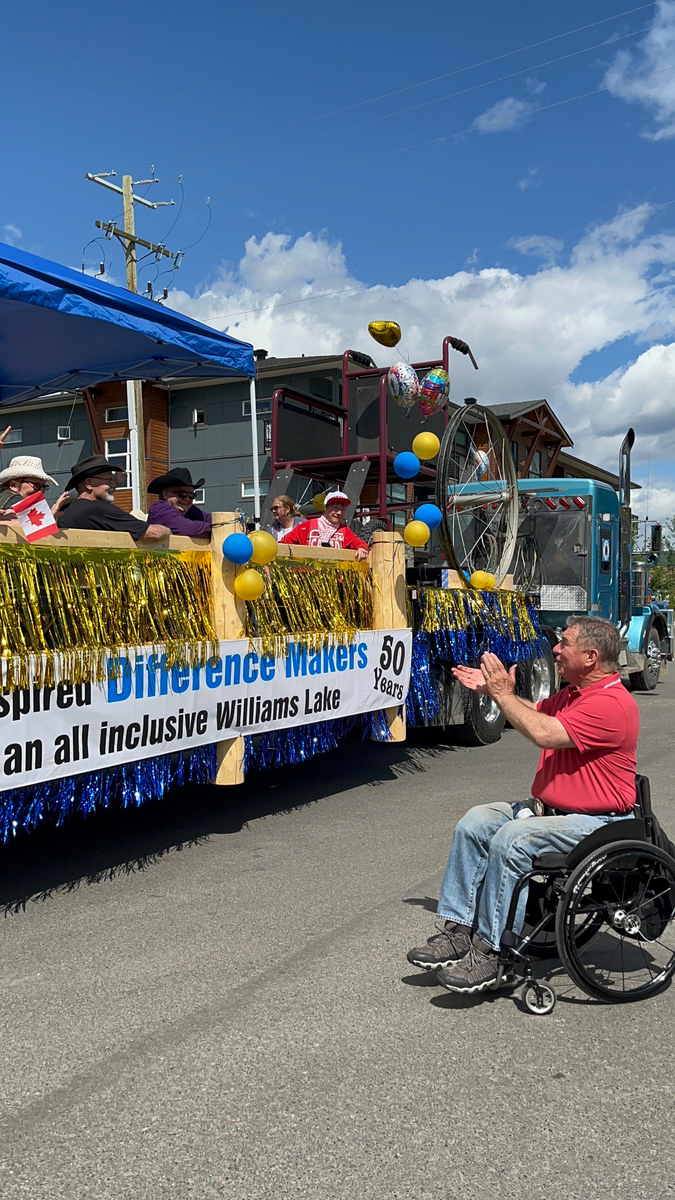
{"x":626,"y":891}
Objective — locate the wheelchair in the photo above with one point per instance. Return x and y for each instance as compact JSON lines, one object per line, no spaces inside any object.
{"x":605,"y":909}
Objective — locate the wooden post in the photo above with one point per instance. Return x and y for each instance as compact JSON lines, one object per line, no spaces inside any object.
{"x":389,"y":603}
{"x":229,"y":613}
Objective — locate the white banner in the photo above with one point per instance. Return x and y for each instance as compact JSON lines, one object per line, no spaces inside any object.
{"x":146,"y":709}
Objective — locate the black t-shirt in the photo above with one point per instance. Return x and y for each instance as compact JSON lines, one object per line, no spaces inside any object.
{"x":100,"y":514}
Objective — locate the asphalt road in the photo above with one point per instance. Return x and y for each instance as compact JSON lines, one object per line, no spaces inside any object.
{"x":210,"y":998}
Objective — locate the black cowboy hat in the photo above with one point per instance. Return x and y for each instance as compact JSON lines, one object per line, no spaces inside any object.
{"x":178,"y":477}
{"x":88,"y":467}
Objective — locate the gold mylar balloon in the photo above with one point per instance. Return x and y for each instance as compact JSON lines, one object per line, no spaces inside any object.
{"x":265,"y":547}
{"x":416,"y":533}
{"x":249,"y":585}
{"x":483,"y":580}
{"x":387,"y":333}
{"x":426,"y":445}
{"x":318,"y":501}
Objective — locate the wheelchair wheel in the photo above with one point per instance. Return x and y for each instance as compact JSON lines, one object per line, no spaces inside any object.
{"x":539,"y":998}
{"x":627,"y":892}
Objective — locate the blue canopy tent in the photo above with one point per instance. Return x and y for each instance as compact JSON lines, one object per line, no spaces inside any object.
{"x":61,"y":330}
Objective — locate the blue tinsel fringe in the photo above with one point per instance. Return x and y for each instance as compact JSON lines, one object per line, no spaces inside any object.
{"x":288,"y":747}
{"x":128,"y":785}
{"x":422,"y":703}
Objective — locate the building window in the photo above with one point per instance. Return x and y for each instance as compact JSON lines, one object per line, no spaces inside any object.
{"x":515,"y":450}
{"x":199,"y":418}
{"x":535,"y":466}
{"x":63,"y":433}
{"x":13,"y":437}
{"x":116,"y":414}
{"x":267,"y":437}
{"x":396,"y":493}
{"x":200,"y":498}
{"x":246,"y":488}
{"x":118,"y":452}
{"x":263,"y":408}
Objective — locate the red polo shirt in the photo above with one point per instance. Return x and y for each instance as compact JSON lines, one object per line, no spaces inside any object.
{"x":597,"y":775}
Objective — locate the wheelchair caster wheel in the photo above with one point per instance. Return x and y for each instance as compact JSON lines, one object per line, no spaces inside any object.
{"x":539,"y":998}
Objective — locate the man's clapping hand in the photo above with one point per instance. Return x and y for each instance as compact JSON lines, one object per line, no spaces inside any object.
{"x":471,"y":678}
{"x":491,"y":679}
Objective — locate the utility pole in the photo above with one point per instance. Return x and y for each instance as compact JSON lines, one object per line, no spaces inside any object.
{"x":127,"y":237}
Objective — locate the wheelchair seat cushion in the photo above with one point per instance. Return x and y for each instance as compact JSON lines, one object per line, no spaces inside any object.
{"x":552,"y":861}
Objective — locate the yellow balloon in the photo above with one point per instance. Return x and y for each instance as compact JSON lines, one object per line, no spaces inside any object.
{"x":265,"y":547}
{"x":387,"y":333}
{"x":483,"y":580}
{"x":426,"y":445}
{"x":249,"y":585}
{"x":318,"y":501}
{"x":416,"y":533}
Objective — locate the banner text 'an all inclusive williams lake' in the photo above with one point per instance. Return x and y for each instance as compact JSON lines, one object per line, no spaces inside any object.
{"x":146,"y":708}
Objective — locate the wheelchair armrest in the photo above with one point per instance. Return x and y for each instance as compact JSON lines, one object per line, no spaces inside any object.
{"x":632,"y":829}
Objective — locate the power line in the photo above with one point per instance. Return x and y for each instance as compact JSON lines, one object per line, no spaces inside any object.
{"x":355,"y":162}
{"x":439,"y":99}
{"x":425,"y":82}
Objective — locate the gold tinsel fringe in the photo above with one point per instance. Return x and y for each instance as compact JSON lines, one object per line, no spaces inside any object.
{"x":63,"y":610}
{"x":313,"y":600}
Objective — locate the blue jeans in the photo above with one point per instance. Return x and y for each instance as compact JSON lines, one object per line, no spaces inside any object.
{"x":490,"y":851}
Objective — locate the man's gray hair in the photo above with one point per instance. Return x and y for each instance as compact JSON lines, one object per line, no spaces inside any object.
{"x":595,"y":633}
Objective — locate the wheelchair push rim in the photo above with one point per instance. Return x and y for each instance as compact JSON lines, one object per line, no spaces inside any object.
{"x":629,"y":888}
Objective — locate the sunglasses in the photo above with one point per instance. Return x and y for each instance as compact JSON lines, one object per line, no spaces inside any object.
{"x":37,"y":484}
{"x":185,"y":495}
{"x":278,"y":507}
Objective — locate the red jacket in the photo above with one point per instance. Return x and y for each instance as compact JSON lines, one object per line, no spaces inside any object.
{"x":308,"y":534}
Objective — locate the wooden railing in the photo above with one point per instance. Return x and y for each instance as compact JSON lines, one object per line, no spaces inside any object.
{"x":387,"y":560}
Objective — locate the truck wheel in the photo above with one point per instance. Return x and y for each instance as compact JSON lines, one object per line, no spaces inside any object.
{"x":647,"y":679}
{"x":538,"y":678}
{"x":484,"y":723}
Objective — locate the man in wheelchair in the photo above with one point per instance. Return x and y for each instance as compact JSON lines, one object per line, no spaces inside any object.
{"x":588,"y":736}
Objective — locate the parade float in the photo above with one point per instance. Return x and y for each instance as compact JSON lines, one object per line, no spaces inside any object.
{"x":128,"y":669}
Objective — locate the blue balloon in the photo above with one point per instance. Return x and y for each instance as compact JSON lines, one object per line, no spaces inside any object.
{"x":430,"y":514}
{"x":237,"y":548}
{"x":406,"y":465}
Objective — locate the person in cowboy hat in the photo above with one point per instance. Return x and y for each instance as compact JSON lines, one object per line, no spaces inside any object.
{"x":25,"y":476}
{"x":328,"y":529}
{"x":176,"y":506}
{"x":95,"y":479}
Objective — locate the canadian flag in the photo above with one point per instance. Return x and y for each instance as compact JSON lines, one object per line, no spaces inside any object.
{"x":35,"y":517}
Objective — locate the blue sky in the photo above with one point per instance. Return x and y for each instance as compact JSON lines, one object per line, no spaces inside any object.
{"x":296,"y":121}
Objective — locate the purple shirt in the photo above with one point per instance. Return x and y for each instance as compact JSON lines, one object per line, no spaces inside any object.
{"x":194,"y":523}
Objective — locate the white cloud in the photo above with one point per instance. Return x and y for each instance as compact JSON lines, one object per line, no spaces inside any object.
{"x":529,"y":332}
{"x":530,"y":180}
{"x":534,"y":85}
{"x":546,"y":248}
{"x":12,"y":234}
{"x":655,"y":59}
{"x":508,"y":113}
{"x":655,"y":501}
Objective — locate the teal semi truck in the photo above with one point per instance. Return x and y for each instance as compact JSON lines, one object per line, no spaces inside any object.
{"x":573,"y":549}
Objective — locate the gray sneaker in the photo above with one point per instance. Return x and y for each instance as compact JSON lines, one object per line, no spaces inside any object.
{"x":447,"y":946}
{"x":475,"y":972}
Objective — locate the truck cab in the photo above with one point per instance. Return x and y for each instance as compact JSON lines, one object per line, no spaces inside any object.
{"x":573,"y":550}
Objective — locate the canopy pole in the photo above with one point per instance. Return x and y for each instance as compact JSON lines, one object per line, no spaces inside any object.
{"x":254,"y":451}
{"x":137,"y":444}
